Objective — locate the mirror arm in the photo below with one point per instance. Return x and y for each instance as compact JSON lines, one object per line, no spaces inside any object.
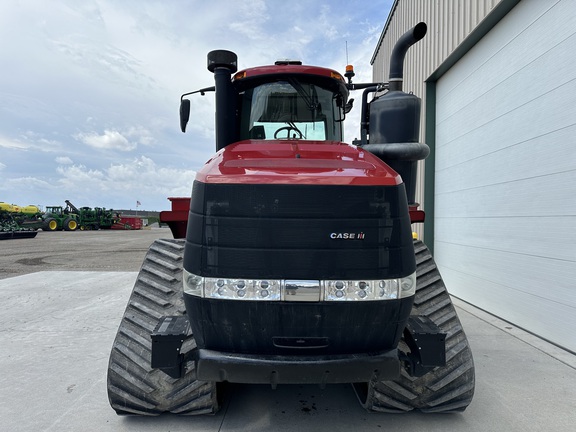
{"x":201,"y":91}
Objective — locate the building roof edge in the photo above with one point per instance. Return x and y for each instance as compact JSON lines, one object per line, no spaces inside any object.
{"x":390,"y":14}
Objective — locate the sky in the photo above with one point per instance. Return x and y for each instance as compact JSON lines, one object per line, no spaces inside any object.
{"x":90,"y":90}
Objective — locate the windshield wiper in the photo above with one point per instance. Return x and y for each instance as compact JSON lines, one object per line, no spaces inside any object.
{"x":311,"y":100}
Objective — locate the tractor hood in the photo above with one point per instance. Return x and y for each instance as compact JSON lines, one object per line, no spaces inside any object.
{"x":296,"y":162}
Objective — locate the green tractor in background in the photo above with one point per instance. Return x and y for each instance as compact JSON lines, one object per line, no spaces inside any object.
{"x":57,"y":218}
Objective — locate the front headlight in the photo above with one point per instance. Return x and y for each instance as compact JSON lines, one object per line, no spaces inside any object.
{"x":345,"y":290}
{"x":408,"y":285}
{"x":193,"y":284}
{"x":242,"y":289}
{"x":277,"y":290}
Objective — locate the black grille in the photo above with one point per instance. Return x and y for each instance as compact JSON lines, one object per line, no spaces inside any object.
{"x":299,"y":231}
{"x":296,"y":201}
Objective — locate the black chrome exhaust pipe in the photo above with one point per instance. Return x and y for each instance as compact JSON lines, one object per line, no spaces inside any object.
{"x":399,"y":52}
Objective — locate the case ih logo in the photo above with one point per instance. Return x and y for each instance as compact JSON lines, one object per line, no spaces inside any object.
{"x":347,"y":236}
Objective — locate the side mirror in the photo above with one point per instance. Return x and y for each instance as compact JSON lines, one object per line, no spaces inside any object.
{"x":348,"y":106}
{"x":339,"y":109}
{"x":184,"y":113}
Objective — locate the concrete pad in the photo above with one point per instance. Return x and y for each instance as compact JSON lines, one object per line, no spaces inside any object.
{"x":57,"y":329}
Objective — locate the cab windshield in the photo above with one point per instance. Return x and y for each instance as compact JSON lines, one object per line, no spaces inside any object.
{"x":290,"y":109}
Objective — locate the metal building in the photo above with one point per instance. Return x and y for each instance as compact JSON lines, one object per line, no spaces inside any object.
{"x":498,"y":82}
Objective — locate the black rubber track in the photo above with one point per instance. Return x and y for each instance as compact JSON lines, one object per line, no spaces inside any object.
{"x":445,"y":389}
{"x":133,"y":387}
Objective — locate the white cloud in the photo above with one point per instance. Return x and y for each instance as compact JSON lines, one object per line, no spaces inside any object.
{"x":109,"y":140}
{"x":102,"y":62}
{"x":79,"y":175}
{"x":28,"y":141}
{"x":140,"y":177}
{"x":143,"y":173}
{"x":141,"y":135}
{"x":64,"y":160}
{"x":10,"y":143}
{"x":250,"y":19}
{"x":23,"y":185}
{"x":326,"y":19}
{"x":126,"y":140}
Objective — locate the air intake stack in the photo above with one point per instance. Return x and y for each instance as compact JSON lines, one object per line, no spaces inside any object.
{"x":223,"y":64}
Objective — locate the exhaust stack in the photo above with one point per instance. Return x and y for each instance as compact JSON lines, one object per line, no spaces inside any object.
{"x":408,"y":39}
{"x":394,"y":125}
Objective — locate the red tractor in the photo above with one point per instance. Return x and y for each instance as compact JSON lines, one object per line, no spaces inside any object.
{"x":295,"y":261}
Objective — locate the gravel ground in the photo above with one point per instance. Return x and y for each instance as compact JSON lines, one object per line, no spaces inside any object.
{"x":104,"y":250}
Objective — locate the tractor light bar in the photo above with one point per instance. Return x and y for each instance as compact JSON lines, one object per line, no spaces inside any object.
{"x":282,"y":290}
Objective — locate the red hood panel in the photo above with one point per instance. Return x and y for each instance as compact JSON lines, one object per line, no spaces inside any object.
{"x":292,"y":161}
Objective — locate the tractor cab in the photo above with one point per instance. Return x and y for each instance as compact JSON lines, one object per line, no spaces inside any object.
{"x":54,"y":210}
{"x":281,"y":102}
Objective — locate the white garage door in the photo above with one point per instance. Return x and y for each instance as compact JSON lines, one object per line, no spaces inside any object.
{"x":505,"y":197}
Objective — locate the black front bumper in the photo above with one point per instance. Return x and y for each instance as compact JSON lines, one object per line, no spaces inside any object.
{"x":279,"y":369}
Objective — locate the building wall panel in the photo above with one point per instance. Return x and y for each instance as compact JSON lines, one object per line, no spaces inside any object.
{"x":505,"y":180}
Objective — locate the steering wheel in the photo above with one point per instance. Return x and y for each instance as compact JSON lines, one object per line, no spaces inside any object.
{"x":288,"y":129}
